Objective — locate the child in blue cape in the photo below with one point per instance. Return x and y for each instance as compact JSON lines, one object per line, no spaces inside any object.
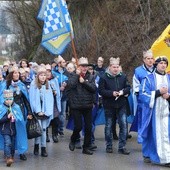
{"x":12,"y":128}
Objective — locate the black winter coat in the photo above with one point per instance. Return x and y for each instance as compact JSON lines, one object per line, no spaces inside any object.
{"x":22,"y":101}
{"x":80,"y":95}
{"x":108,"y":84}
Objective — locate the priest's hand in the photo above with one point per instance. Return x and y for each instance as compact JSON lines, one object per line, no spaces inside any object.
{"x":165,"y":96}
{"x":163,"y":90}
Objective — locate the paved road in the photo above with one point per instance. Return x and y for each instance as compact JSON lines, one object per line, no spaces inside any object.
{"x":61,"y":158}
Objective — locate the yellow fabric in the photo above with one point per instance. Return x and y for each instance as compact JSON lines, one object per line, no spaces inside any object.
{"x":57,"y":44}
{"x":59,"y":40}
{"x":160,"y":47}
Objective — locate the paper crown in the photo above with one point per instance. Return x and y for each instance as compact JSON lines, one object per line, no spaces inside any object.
{"x":41,"y":69}
{"x":83,"y":61}
{"x":21,"y":71}
{"x":70,"y":65}
{"x":6,"y":63}
{"x":8,"y":93}
{"x":13,"y":68}
{"x":73,"y":60}
{"x":100,"y":59}
{"x":27,"y":69}
{"x":114,"y":61}
{"x":58,"y":59}
{"x":147,"y":53}
{"x":48,"y":67}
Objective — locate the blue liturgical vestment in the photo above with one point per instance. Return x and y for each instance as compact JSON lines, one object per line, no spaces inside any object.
{"x":155,"y":129}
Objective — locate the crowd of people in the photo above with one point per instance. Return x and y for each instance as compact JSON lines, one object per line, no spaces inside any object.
{"x":50,"y":91}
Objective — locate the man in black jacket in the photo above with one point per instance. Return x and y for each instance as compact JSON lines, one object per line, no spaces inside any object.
{"x":81,"y":89}
{"x":114,"y":88}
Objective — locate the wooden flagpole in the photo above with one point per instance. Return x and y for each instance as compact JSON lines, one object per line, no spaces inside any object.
{"x":74,"y":49}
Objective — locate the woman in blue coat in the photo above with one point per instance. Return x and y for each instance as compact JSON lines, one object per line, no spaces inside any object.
{"x":42,"y":103}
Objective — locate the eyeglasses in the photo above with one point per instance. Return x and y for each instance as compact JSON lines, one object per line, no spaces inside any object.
{"x":9,"y":98}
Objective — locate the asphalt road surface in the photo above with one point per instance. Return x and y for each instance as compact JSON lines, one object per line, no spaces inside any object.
{"x":61,"y":158}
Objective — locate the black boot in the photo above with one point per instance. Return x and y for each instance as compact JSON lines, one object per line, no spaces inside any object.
{"x":47,"y":136}
{"x":55,"y":123}
{"x":55,"y":139}
{"x":87,"y":151}
{"x":23,"y":157}
{"x":36,"y":149}
{"x":43,"y":152}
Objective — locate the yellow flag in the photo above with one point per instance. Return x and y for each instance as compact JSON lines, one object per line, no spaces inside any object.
{"x":161,"y":47}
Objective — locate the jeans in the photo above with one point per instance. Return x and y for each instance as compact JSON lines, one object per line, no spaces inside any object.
{"x":121,"y":116}
{"x":9,"y":146}
{"x":42,"y":139}
{"x":62,"y":116}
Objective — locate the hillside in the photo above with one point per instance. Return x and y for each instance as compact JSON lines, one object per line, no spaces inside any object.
{"x":118,"y":28}
{"x":107,"y":28}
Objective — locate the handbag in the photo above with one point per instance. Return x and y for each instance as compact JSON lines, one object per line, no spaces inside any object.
{"x":33,"y":127}
{"x":43,"y":117}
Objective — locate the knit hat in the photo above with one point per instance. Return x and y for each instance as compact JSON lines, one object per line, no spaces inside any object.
{"x":41,"y":69}
{"x":161,"y":58}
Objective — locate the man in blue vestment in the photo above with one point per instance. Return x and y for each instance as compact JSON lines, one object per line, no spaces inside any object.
{"x":140,"y":73}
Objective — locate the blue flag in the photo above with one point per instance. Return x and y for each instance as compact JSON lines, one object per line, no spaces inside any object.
{"x":57,"y":30}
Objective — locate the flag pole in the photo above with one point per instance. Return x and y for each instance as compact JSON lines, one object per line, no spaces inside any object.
{"x":74,"y":49}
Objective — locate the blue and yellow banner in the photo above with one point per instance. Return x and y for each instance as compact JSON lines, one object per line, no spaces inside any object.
{"x":57,"y":30}
{"x":161,"y":47}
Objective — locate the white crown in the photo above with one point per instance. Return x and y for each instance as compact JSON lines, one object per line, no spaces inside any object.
{"x":100,"y":59}
{"x":114,"y":61}
{"x":58,"y":59}
{"x":21,"y":70}
{"x":48,"y":67}
{"x":6,"y":63}
{"x":83,"y":61}
{"x":13,"y":68}
{"x":8,"y":93}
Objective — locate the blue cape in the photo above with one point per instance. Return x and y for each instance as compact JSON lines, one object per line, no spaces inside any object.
{"x":21,"y":134}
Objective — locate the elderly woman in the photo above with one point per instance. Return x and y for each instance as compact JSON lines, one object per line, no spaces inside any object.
{"x":42,"y":103}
